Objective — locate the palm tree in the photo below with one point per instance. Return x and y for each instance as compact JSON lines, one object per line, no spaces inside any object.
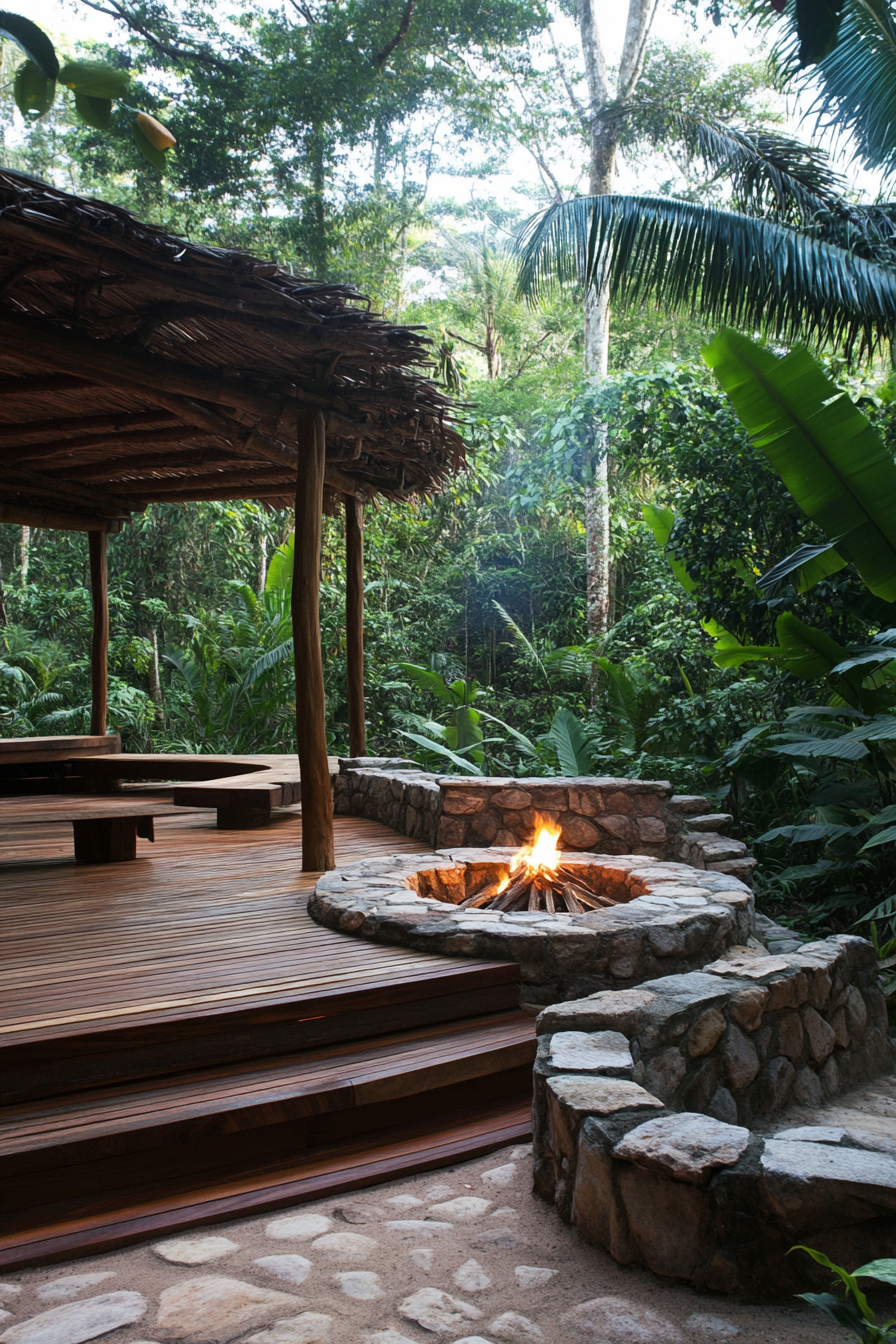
{"x":792,"y":256}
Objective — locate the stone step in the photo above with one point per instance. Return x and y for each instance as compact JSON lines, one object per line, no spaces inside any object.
{"x":689,"y":804}
{"x":711,"y":821}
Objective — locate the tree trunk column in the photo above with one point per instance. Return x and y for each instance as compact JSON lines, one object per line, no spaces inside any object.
{"x":318,"y":853}
{"x":354,"y":624}
{"x":99,"y":645}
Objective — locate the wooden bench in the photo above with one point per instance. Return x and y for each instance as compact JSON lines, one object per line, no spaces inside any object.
{"x":39,"y":764}
{"x":105,"y":830}
{"x":242,"y":789}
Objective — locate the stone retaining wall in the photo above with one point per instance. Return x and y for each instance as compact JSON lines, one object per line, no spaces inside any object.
{"x":644,"y":1098}
{"x":597,"y":814}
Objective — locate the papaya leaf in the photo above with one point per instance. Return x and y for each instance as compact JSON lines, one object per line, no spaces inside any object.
{"x":884,"y":837}
{"x":32,"y":40}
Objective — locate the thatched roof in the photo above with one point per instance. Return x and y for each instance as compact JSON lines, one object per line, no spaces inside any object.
{"x":136,"y":366}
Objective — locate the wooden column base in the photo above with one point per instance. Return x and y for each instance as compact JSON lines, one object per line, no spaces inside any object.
{"x":110,"y":839}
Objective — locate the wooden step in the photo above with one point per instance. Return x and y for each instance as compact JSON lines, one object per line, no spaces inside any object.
{"x":459,"y":1135}
{"x":74,"y":1057}
{"x":80,"y":1155}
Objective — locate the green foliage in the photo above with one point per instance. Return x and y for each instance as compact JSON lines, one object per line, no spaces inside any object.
{"x":854,"y":1313}
{"x":830,"y":458}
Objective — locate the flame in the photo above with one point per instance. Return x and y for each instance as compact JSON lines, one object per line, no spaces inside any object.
{"x":541,"y":856}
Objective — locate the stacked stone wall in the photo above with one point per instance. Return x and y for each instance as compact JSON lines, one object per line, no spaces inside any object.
{"x":645,"y":1101}
{"x":596,"y":814}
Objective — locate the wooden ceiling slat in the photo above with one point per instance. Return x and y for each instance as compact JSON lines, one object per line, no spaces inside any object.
{"x":73,"y":448}
{"x":72,"y":424}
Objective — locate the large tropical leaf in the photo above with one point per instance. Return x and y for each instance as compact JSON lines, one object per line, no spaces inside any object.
{"x":570,"y":740}
{"x":829,"y":456}
{"x":726,"y":267}
{"x":32,"y":40}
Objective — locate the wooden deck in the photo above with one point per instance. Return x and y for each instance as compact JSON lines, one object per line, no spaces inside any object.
{"x":184,"y":1004}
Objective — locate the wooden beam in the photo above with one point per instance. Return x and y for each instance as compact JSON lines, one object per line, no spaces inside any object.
{"x":73,"y":424}
{"x":318,"y":853}
{"x":354,"y":624}
{"x":263,"y":476}
{"x":109,"y":470}
{"x":26,"y":454}
{"x":54,"y":382}
{"x":68,"y":494}
{"x":99,"y":644}
{"x":26,"y":515}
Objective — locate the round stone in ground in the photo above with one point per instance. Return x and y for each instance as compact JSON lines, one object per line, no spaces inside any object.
{"x":194,"y":1250}
{"x":615,"y":1320}
{"x":348,"y":1246}
{"x":515,"y":1328}
{"x":214,"y":1309}
{"x":437,"y":1311}
{"x":290,"y":1268}
{"x":301,"y":1226}
{"x":63,"y":1290}
{"x":471,"y":1277}
{"x":499,"y":1176}
{"x":461,"y":1209}
{"x":361,"y":1284}
{"x":310,"y":1327}
{"x":531,"y":1276}
{"x":712,"y":1327}
{"x":77,"y":1321}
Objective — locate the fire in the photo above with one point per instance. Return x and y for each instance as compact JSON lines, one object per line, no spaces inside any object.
{"x":542,"y":855}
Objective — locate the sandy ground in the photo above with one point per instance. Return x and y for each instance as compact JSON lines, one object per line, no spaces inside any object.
{"x":526,"y":1284}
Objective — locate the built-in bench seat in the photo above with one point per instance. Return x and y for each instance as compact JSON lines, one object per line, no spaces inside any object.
{"x":242,"y":789}
{"x":105,"y":829}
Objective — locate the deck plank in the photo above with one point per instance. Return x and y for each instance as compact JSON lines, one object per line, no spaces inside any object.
{"x":202,"y":918}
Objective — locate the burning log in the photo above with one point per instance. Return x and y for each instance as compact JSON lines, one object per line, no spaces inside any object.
{"x":538,"y":881}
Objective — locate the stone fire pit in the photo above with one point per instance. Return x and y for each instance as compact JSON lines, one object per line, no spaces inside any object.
{"x":670,"y":918}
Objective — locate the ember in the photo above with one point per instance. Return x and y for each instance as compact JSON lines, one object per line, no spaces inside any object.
{"x":538,"y":880}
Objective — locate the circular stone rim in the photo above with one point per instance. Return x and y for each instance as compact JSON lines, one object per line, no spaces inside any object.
{"x":371,"y":898}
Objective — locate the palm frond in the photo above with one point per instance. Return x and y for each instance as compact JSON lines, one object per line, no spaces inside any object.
{"x":855,"y":81}
{"x":725,"y":267}
{"x":771,"y":174}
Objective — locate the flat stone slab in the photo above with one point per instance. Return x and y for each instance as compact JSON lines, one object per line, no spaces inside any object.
{"x":438,"y":1311}
{"x":615,"y":1320}
{"x":688,"y":1146}
{"x":601,"y":1096}
{"x":606,"y":1052}
{"x":213,"y":1309}
{"x":870,"y":1176}
{"x":78,"y":1321}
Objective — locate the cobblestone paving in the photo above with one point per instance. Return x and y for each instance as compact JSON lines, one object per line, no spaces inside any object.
{"x":466,"y":1256}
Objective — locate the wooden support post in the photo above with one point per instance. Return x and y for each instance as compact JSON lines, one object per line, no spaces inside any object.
{"x":99,"y":645}
{"x":318,"y":853}
{"x":354,"y":624}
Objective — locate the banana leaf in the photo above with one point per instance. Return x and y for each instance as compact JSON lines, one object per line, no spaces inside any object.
{"x":829,"y":456}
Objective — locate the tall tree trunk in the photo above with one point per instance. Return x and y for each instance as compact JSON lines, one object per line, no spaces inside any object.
{"x":155,"y":680}
{"x":262,"y":562}
{"x":604,"y":142}
{"x":25,"y":552}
